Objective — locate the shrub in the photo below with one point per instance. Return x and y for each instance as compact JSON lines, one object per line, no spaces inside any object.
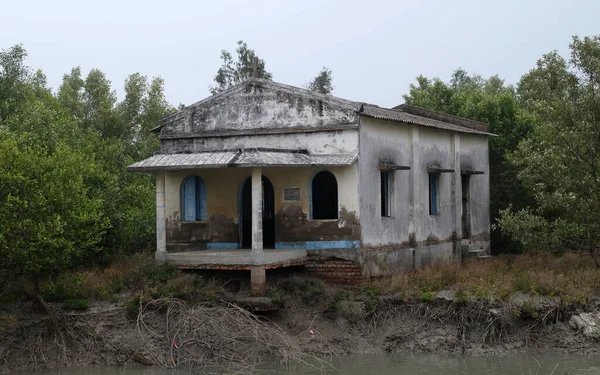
{"x":76,"y":304}
{"x":337,"y":299}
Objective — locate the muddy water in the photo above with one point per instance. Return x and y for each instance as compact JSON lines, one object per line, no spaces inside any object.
{"x":541,"y":364}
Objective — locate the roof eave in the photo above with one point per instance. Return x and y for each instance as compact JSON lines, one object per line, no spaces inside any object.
{"x":464,"y":130}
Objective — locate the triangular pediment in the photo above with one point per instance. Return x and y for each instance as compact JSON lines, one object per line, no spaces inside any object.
{"x":261,"y":105}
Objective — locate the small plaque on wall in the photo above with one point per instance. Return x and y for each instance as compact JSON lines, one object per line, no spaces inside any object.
{"x":291,"y":194}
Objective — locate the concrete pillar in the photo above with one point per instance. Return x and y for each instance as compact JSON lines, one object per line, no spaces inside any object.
{"x":257,"y":208}
{"x":258,"y":278}
{"x":416,"y":173}
{"x":161,"y":234}
{"x":456,"y":195}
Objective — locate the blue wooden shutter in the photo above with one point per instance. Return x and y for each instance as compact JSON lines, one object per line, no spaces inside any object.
{"x":189,"y":199}
{"x":200,"y":200}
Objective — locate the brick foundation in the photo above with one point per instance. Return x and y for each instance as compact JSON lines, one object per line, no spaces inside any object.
{"x":334,"y":270}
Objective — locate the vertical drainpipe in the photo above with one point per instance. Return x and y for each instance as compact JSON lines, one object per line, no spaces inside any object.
{"x":456,"y":195}
{"x":415,"y":174}
{"x":161,"y":234}
{"x":257,"y":270}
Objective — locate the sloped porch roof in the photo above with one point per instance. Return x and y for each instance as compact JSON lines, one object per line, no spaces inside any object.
{"x":240,"y":158}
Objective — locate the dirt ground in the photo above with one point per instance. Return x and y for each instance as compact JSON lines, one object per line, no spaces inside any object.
{"x":351,"y":324}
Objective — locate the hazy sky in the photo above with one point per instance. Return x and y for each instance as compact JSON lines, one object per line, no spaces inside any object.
{"x":374,"y":48}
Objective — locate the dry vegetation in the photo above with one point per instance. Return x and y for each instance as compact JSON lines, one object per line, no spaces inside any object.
{"x":572,"y":277}
{"x":156,"y":315}
{"x":219,"y":339}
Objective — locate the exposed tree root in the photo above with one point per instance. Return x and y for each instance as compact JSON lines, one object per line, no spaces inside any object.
{"x":217,"y":339}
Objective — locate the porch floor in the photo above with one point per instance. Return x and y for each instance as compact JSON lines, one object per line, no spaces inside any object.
{"x":236,"y":259}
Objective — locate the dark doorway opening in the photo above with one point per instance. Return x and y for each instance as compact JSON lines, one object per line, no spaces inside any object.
{"x":466,"y":209}
{"x":324,"y":196}
{"x":268,"y":214}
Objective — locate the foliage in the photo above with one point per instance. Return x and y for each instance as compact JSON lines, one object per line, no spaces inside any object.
{"x":560,"y":162}
{"x":48,"y":220}
{"x":119,"y":134}
{"x":338,"y":299}
{"x":236,"y":71}
{"x":76,"y":304}
{"x":492,"y":101}
{"x":66,"y":199}
{"x":322,"y":83}
{"x":310,"y":291}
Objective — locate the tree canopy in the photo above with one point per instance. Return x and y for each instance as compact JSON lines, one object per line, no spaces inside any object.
{"x":560,"y":161}
{"x":234,"y":71}
{"x":66,"y":199}
{"x":322,"y":83}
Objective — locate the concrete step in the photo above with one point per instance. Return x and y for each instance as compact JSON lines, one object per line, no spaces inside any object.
{"x":484,"y":257}
{"x":477,"y":252}
{"x":470,"y":247}
{"x":473,"y":251}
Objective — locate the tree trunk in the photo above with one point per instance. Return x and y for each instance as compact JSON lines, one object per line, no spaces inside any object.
{"x":34,"y":292}
{"x":594,"y":254}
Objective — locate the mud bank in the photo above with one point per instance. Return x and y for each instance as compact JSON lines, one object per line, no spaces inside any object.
{"x":338,"y":324}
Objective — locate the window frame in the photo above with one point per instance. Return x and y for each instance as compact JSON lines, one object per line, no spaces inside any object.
{"x":199,"y":199}
{"x":434,"y":193}
{"x":386,"y":192}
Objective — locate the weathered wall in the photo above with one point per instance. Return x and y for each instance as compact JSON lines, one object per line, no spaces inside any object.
{"x":411,"y":225}
{"x":434,"y":148}
{"x":379,"y":261}
{"x":325,"y":142}
{"x":334,"y":270}
{"x":260,"y":105}
{"x":385,"y":141}
{"x":474,"y":156}
{"x":293,"y":226}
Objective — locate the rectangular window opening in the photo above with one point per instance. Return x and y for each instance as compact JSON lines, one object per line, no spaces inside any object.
{"x":386,"y":193}
{"x":434,"y":187}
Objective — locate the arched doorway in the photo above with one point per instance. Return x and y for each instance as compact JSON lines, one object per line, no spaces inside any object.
{"x":324,"y":196}
{"x":268,"y":214}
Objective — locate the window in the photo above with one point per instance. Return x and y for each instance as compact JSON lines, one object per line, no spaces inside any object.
{"x":386,"y":193}
{"x":193,"y":199}
{"x":434,"y":184}
{"x":324,"y":196}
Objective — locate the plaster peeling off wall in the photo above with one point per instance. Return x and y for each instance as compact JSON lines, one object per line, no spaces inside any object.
{"x":257,"y":105}
{"x":293,"y":226}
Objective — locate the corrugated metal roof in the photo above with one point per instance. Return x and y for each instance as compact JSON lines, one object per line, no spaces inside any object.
{"x":400,"y":116}
{"x":239,"y":158}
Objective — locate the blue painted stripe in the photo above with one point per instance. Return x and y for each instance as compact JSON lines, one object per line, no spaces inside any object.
{"x":316,"y":245}
{"x":221,"y":245}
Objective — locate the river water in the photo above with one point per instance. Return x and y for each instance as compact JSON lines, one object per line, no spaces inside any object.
{"x":540,"y":364}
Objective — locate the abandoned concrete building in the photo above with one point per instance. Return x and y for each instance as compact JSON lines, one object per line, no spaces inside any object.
{"x":264,"y":174}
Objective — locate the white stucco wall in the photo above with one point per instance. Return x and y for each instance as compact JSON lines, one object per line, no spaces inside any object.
{"x":390,"y":142}
{"x":323,"y":142}
{"x":420,"y":148}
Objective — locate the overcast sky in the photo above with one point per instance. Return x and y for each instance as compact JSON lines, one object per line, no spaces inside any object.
{"x":374,"y":48}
